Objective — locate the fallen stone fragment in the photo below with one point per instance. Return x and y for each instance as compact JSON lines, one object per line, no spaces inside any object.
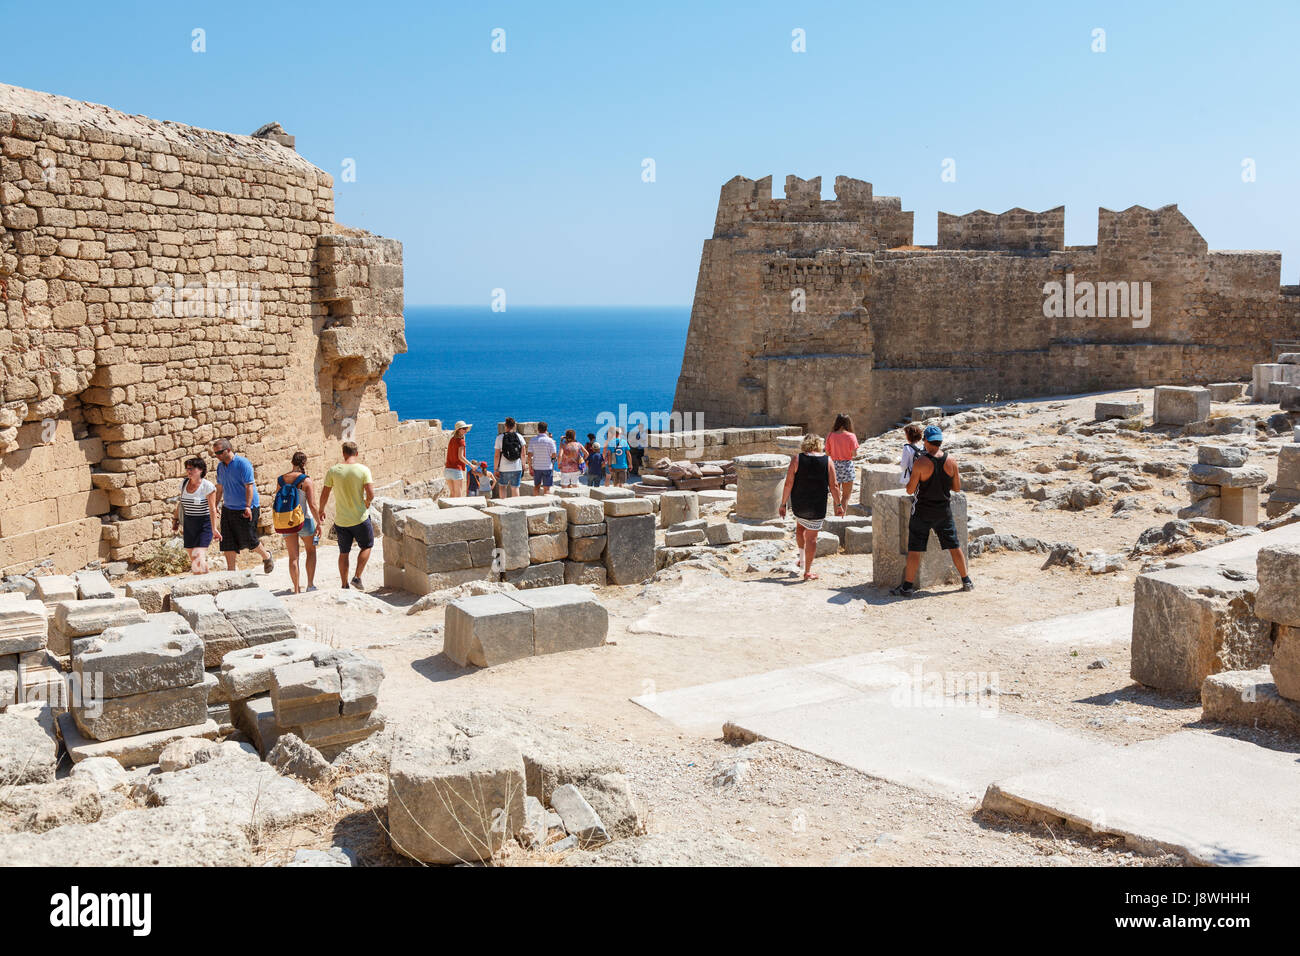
{"x":28,"y":750}
{"x":579,"y":818}
{"x":294,"y":758}
{"x":169,"y":836}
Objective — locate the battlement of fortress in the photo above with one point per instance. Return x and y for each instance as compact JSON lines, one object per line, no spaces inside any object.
{"x":806,"y":307}
{"x":162,"y":286}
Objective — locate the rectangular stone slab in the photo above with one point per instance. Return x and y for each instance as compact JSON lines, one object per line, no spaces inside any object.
{"x":488,"y":629}
{"x":623,"y":507}
{"x":1191,"y":622}
{"x":564,"y":618}
{"x":93,"y":585}
{"x":247,"y":672}
{"x":157,"y":710}
{"x":510,"y":535}
{"x":630,"y":548}
{"x":1104,"y":411}
{"x":1278,"y":598}
{"x":159,"y":653}
{"x":259,"y":616}
{"x":544,"y":575}
{"x":444,"y":525}
{"x":94,"y":616}
{"x":137,"y":751}
{"x":1213,"y":800}
{"x":23,"y":626}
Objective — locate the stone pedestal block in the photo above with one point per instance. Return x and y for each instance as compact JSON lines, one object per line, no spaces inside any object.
{"x":1285,"y":666}
{"x":510,"y":533}
{"x":759,"y":483}
{"x":1239,"y":506}
{"x":630,"y":549}
{"x":1191,"y":622}
{"x":1176,"y":405}
{"x":1278,"y":569}
{"x":565,"y":618}
{"x":891,"y":512}
{"x":1227,"y":391}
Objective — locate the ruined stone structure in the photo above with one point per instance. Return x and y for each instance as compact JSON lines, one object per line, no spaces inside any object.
{"x":161,"y":286}
{"x":887,"y":326}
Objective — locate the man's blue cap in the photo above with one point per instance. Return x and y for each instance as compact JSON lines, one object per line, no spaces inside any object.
{"x":933,"y":434}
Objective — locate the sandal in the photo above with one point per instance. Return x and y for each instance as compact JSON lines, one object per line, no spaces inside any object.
{"x":811,"y":576}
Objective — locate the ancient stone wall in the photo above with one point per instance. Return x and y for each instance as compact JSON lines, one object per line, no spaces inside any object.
{"x":162,"y":286}
{"x":807,"y":307}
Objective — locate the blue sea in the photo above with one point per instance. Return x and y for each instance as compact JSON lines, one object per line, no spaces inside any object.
{"x":561,"y":365}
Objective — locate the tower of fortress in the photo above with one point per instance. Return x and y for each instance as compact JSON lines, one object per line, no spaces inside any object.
{"x":807,"y":307}
{"x":162,"y":286}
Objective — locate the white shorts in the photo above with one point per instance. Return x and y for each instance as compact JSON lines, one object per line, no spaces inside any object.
{"x":808,"y":523}
{"x":569,"y":479}
{"x":454,"y":474}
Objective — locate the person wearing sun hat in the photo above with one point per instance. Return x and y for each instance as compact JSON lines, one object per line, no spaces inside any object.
{"x":457,"y":465}
{"x":934,"y":478}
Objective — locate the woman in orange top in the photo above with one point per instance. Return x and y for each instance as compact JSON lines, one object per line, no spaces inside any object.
{"x":841,"y":445}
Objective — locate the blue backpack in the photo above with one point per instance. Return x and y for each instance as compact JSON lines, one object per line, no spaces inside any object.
{"x":287,"y":510}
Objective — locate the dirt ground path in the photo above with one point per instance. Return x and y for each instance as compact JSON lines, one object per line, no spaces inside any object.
{"x":696,"y":625}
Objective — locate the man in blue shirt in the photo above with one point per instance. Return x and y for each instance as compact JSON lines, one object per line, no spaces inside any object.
{"x":239,"y":506}
{"x":616,"y":450}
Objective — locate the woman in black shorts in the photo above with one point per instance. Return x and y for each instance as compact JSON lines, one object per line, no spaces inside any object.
{"x":197,"y":506}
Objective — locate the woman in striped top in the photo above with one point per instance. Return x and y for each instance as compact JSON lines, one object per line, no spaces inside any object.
{"x":197,"y":504}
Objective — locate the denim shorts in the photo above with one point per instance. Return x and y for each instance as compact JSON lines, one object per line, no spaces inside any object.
{"x":543,"y":479}
{"x":454,"y":474}
{"x":509,"y":479}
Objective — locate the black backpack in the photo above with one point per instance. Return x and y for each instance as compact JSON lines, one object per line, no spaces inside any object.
{"x":511,"y":447}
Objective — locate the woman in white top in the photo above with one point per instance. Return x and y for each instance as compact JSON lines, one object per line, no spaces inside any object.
{"x":198,"y":506}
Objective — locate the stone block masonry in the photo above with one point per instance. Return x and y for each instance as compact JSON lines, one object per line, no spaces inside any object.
{"x":162,"y":286}
{"x":807,"y":307}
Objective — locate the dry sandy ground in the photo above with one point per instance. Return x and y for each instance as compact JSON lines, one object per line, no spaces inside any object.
{"x":694,"y":626}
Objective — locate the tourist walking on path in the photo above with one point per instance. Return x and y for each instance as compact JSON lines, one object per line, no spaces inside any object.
{"x":934,"y":479}
{"x":638,"y":438}
{"x":196,"y":509}
{"x":509,"y":460}
{"x":298,"y":502}
{"x":541,"y":460}
{"x":841,"y":446}
{"x":353,"y":484}
{"x":457,"y":465}
{"x":808,"y":481}
{"x":911,"y":448}
{"x":481,"y":480}
{"x":240,"y":506}
{"x":616,"y":454}
{"x":572,"y":455}
{"x":595,"y":463}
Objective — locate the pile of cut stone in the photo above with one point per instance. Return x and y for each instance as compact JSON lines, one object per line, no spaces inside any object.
{"x":687,"y":475}
{"x":605,"y":536}
{"x":325,"y":696}
{"x":1278,"y":382}
{"x":461,"y":798}
{"x":136,"y":688}
{"x":1266,"y":695}
{"x":1223,"y":486}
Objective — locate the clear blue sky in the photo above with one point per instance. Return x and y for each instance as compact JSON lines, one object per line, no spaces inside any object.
{"x":522,"y":170}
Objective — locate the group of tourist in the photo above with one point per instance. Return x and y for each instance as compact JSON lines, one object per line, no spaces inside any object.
{"x":545,"y":462}
{"x":824,"y":469}
{"x":229,"y":511}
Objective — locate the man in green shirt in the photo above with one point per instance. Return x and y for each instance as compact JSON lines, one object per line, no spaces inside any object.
{"x":354,"y":486}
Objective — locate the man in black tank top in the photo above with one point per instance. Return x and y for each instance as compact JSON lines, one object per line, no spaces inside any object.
{"x":934,"y":479}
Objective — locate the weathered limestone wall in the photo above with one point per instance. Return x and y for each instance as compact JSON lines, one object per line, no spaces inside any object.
{"x":162,"y":286}
{"x":886,"y":326}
